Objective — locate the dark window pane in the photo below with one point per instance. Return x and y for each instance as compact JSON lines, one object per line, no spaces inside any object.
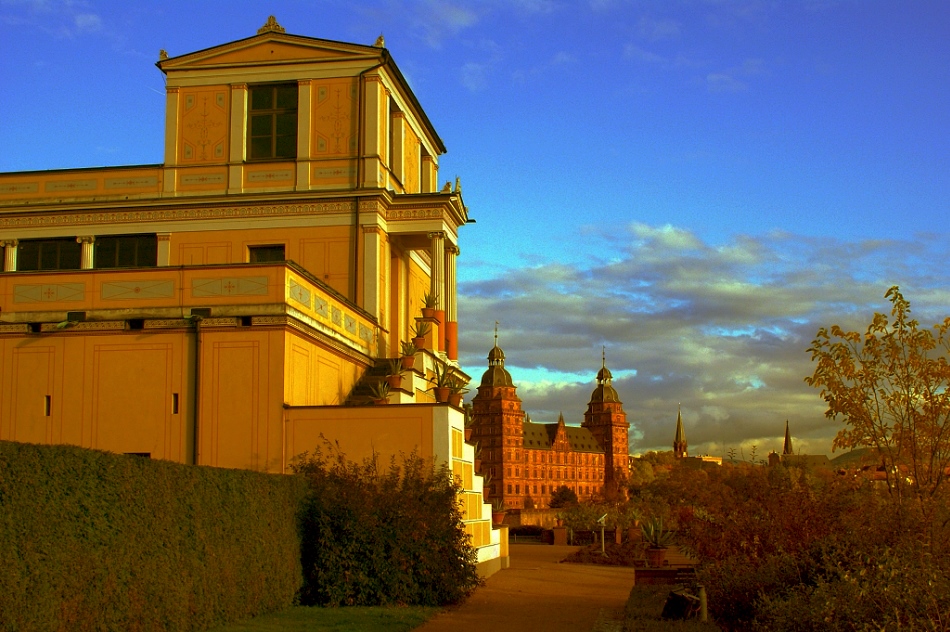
{"x":287,"y":124}
{"x":49,"y":254}
{"x":264,"y":254}
{"x":126,"y":251}
{"x":286,"y":147}
{"x":262,"y":98}
{"x":287,"y":97}
{"x":261,"y":125}
{"x":272,"y":123}
{"x":260,"y":148}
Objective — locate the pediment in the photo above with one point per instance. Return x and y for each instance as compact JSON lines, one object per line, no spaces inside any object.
{"x":269,"y":48}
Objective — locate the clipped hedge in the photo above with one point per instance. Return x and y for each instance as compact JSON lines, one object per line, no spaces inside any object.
{"x":97,"y":541}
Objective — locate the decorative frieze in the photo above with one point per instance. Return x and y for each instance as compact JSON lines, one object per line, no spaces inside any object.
{"x":135,"y":290}
{"x":229,"y":286}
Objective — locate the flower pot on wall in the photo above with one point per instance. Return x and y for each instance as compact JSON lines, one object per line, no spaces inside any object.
{"x":442,"y":393}
{"x":408,"y":362}
{"x":498,"y":517}
{"x":455,"y":399}
{"x":395,"y":381}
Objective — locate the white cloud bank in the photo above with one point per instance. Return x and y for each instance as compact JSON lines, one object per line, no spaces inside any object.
{"x":721,"y":330}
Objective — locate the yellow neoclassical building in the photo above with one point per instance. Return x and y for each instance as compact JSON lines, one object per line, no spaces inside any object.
{"x":232,"y":304}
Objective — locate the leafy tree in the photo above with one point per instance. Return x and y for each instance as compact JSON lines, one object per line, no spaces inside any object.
{"x":563,"y":496}
{"x":891,"y":387}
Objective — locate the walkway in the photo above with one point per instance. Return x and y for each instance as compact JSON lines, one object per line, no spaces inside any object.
{"x":537,"y":593}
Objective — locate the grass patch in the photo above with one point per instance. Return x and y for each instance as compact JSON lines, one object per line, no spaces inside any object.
{"x":642,"y":612}
{"x":316,"y":619}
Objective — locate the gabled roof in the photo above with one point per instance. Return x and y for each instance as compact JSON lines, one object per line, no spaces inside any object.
{"x":273,"y":47}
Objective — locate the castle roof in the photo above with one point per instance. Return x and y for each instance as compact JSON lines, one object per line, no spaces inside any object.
{"x":604,"y":391}
{"x":541,"y":437}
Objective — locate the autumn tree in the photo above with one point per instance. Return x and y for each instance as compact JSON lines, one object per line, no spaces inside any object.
{"x":891,"y":387}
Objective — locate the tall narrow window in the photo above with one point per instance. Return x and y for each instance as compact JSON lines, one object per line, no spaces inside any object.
{"x":272,"y":122}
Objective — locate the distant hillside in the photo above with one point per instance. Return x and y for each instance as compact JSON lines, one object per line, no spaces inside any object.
{"x":856,"y":458}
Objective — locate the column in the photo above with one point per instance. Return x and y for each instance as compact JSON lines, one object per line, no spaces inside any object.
{"x":9,"y":254}
{"x":164,"y":249}
{"x":437,"y":281}
{"x":451,"y":300}
{"x":88,"y":254}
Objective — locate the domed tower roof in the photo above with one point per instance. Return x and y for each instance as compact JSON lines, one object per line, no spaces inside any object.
{"x":604,"y":391}
{"x":496,"y":375}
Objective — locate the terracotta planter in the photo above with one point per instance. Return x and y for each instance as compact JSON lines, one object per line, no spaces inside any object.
{"x":395,"y":381}
{"x":634,"y":534}
{"x":498,"y":517}
{"x":477,"y":464}
{"x":380,"y":402}
{"x":420,"y":342}
{"x":656,"y":557}
{"x":559,"y":522}
{"x":428,"y":312}
{"x":442,"y":393}
{"x":408,"y":362}
{"x":468,"y":434}
{"x":618,"y":535}
{"x":455,"y":399}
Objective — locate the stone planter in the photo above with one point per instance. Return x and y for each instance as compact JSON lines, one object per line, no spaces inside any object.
{"x":656,"y":557}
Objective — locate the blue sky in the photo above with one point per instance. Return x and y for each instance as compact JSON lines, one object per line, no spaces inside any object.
{"x":695,"y":185}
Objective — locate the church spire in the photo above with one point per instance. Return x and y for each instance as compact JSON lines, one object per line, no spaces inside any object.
{"x":679,"y":440}
{"x":787,"y":449}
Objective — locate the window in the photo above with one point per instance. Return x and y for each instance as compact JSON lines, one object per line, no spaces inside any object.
{"x":49,"y":254}
{"x":272,"y":122}
{"x":265,"y":254}
{"x":126,"y":251}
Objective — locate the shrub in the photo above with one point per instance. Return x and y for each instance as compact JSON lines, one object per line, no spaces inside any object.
{"x":380,"y":538}
{"x":563,"y":496}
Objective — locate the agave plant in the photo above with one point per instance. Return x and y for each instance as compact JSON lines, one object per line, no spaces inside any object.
{"x":655,"y":535}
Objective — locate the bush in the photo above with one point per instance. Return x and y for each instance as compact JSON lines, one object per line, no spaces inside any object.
{"x":96,"y":541}
{"x":382,"y":538}
{"x":563,"y":496}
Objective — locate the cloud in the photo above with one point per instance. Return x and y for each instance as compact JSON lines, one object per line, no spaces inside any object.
{"x":60,"y":18}
{"x":656,"y":30}
{"x":720,"y":329}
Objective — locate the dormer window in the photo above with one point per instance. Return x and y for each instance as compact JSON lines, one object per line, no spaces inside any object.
{"x":272,"y":122}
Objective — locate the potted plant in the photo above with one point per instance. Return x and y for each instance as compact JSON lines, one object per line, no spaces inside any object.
{"x":429,"y":300}
{"x":456,"y":390}
{"x":379,"y":391}
{"x":393,"y":373}
{"x":409,"y":350}
{"x":441,"y":380}
{"x":559,"y":519}
{"x":477,"y":459}
{"x":419,"y":332}
{"x":498,"y":511}
{"x":657,"y":539}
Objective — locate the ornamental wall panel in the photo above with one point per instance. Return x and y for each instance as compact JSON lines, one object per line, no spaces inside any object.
{"x":334,"y":129}
{"x":203,"y":125}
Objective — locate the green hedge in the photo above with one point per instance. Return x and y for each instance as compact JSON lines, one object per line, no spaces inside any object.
{"x":97,"y":541}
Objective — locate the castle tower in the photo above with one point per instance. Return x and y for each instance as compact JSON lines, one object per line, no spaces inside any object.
{"x":498,"y":427}
{"x":607,"y":421}
{"x":787,"y":448}
{"x":679,"y":440}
